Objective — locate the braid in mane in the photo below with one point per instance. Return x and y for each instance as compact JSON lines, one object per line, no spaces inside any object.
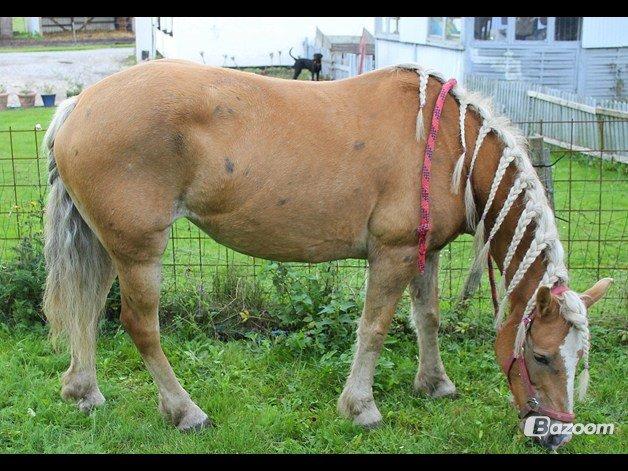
{"x":536,"y":209}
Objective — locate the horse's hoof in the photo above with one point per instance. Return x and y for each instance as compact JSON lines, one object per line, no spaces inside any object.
{"x":197,"y":427}
{"x":207,"y":423}
{"x":193,"y":420}
{"x":87,"y":397}
{"x":91,"y":401}
{"x":436,"y":388}
{"x":369,"y":419}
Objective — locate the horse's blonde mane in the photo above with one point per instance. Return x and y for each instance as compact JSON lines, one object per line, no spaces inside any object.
{"x":536,"y":209}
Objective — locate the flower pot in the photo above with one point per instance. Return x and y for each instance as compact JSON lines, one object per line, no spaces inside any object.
{"x":27,"y":100}
{"x":49,"y":100}
{"x":4,"y":98}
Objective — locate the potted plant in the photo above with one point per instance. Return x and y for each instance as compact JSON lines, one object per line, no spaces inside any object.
{"x":74,"y":88}
{"x":27,"y":97}
{"x":4,"y":97}
{"x":48,"y":96}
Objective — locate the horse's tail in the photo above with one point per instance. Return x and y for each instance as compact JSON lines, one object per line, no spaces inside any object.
{"x":290,"y":52}
{"x":79,"y":269}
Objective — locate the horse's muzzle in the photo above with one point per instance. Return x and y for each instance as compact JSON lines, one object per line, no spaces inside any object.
{"x":550,"y":441}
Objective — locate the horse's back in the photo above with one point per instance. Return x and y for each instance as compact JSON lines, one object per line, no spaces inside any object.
{"x":298,"y":165}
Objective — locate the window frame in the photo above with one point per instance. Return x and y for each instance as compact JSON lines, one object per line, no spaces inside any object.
{"x":492,"y":41}
{"x":442,"y":39}
{"x":510,"y":36}
{"x":579,"y":35}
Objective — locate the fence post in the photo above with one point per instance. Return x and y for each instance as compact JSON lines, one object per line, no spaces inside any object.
{"x":540,"y":156}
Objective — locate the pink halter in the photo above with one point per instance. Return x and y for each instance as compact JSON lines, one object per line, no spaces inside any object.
{"x":533,"y":404}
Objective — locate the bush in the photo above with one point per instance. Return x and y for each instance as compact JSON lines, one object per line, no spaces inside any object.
{"x":234,"y":307}
{"x":314,"y":305}
{"x":304,"y":308}
{"x":21,"y":283}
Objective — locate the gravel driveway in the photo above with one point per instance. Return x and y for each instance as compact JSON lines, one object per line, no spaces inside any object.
{"x":57,"y":68}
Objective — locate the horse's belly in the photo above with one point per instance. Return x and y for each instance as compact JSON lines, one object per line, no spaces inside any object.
{"x":285,"y":234}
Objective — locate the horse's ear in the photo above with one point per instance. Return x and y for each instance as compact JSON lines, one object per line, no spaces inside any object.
{"x":543,"y":300}
{"x":595,"y":292}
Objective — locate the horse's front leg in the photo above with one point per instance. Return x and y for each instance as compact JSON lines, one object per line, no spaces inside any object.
{"x":388,"y":275}
{"x":431,"y":377}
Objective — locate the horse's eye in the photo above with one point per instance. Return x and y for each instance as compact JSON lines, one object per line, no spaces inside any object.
{"x":541,"y":359}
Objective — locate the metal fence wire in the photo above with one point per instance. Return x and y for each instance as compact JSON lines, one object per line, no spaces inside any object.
{"x":589,"y":192}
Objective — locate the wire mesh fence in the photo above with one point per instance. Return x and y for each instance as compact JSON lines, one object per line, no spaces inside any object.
{"x":590,"y":200}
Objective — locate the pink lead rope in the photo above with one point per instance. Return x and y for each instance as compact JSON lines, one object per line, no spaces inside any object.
{"x":425,"y":224}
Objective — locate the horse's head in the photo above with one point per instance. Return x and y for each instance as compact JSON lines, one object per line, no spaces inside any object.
{"x":540,"y":355}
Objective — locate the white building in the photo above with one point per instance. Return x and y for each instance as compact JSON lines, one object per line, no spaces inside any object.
{"x":585,"y":55}
{"x":241,"y":42}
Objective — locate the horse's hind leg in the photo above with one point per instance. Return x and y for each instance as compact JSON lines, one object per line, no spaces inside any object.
{"x":431,"y":377}
{"x":139,"y":290}
{"x":388,"y":276}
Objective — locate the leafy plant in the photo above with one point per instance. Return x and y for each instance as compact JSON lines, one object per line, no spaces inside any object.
{"x":74,"y":88}
{"x":314,"y":305}
{"x":3,"y":88}
{"x":21,"y":283}
{"x":26,"y":90}
{"x":48,"y":89}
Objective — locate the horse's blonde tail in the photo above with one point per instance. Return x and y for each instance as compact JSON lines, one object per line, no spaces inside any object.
{"x":79,"y":270}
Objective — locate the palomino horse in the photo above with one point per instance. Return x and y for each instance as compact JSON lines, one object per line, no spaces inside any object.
{"x":234,"y":153}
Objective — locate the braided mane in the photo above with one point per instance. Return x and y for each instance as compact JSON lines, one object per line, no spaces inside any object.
{"x":545,"y":238}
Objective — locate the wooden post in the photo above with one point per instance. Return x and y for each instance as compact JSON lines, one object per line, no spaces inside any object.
{"x":540,"y":156}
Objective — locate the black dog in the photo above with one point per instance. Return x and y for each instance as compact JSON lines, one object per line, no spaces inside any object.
{"x":313,"y":65}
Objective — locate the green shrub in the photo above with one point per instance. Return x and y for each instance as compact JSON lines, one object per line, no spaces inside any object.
{"x":305,"y":308}
{"x":312,"y":303}
{"x":21,"y":283}
{"x":233,"y":307}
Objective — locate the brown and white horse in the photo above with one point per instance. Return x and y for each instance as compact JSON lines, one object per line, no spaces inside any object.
{"x":234,"y":153}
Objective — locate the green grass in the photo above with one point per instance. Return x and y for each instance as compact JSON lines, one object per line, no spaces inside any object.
{"x":265,"y":397}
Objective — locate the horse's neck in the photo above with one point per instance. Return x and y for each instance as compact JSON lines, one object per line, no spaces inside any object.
{"x":515,"y":245}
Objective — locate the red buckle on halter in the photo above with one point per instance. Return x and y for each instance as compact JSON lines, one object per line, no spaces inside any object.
{"x":533,"y":404}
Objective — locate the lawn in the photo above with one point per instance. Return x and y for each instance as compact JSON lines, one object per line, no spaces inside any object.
{"x":266,"y":396}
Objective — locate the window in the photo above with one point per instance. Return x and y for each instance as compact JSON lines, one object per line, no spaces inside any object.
{"x":531,"y":28}
{"x":446,"y":28}
{"x":487,"y":28}
{"x":568,"y":28}
{"x":164,"y":23}
{"x":391,"y":25}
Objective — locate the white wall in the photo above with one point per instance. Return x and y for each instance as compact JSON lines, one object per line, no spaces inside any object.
{"x":249,"y":40}
{"x":604,"y":31}
{"x":410,"y":45}
{"x":413,"y":29}
{"x":450,"y":62}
